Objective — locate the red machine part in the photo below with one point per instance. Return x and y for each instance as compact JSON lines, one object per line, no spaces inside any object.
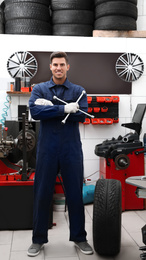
{"x":58,"y":185}
{"x":135,"y":168}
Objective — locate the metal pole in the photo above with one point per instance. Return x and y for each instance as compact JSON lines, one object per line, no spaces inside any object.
{"x":24,"y":174}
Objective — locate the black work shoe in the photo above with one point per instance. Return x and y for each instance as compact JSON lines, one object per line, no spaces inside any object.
{"x":34,"y":249}
{"x":84,"y":247}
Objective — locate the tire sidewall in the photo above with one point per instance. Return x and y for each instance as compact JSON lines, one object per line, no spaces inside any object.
{"x":72,"y":30}
{"x":27,"y":10}
{"x":43,"y":2}
{"x":116,"y":8}
{"x":72,"y":4}
{"x":115,"y":22}
{"x":72,"y":17}
{"x":97,"y":2}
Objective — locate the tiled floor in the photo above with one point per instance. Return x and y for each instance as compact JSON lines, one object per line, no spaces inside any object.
{"x":14,"y":244}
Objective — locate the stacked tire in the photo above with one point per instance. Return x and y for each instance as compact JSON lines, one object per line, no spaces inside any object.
{"x":27,"y":17}
{"x":2,"y":18}
{"x":115,"y":15}
{"x":72,"y":17}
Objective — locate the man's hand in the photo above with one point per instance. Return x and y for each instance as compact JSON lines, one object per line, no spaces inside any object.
{"x":43,"y":102}
{"x":71,"y":108}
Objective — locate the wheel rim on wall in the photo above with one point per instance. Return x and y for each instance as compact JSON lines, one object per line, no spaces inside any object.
{"x":22,"y":64}
{"x":129,"y":67}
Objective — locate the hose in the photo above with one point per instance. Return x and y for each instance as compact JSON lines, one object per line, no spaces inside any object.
{"x":5,"y":109}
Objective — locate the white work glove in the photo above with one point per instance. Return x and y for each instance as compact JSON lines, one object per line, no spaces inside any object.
{"x":43,"y":102}
{"x":71,"y":108}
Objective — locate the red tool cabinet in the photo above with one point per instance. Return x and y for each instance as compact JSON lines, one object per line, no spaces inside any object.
{"x":136,"y":168}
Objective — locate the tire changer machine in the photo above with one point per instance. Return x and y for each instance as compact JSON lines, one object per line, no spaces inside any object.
{"x":123,"y":159}
{"x":17,"y":173}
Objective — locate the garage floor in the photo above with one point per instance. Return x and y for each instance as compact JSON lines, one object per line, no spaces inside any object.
{"x":14,"y":244}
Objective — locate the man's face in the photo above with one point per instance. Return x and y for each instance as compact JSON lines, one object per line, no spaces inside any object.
{"x":59,"y":68}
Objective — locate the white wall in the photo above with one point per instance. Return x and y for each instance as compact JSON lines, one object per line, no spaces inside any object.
{"x":141,"y":21}
{"x":90,"y":134}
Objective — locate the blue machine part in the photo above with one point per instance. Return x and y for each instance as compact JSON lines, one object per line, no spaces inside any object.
{"x":88,"y":193}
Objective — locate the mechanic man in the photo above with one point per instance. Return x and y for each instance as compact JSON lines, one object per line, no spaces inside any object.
{"x":59,"y":149}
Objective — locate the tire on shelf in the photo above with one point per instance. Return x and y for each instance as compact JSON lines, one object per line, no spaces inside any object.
{"x":27,"y":10}
{"x":72,"y":30}
{"x":1,"y":28}
{"x":97,"y":2}
{"x":1,"y":16}
{"x":116,"y":8}
{"x":43,"y":2}
{"x":72,"y":4}
{"x":28,"y":26}
{"x":72,"y":17}
{"x":1,"y":20}
{"x":2,"y":5}
{"x":107,"y":217}
{"x":115,"y":22}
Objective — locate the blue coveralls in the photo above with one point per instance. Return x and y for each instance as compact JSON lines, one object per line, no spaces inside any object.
{"x":59,"y":149}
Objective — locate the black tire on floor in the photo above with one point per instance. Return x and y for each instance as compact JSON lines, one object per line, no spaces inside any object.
{"x":116,"y":8}
{"x":107,"y":217}
{"x":97,"y":2}
{"x":28,"y":26}
{"x":27,"y":10}
{"x":72,"y":30}
{"x":43,"y":2}
{"x":115,"y":22}
{"x":72,"y":17}
{"x":72,"y":4}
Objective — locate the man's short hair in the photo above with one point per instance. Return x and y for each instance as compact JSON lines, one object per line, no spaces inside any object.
{"x":59,"y":54}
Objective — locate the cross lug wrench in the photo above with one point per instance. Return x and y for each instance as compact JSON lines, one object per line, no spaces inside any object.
{"x":64,"y":102}
{"x":64,"y":120}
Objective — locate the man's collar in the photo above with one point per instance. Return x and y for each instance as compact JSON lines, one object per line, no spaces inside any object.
{"x":65,"y":84}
